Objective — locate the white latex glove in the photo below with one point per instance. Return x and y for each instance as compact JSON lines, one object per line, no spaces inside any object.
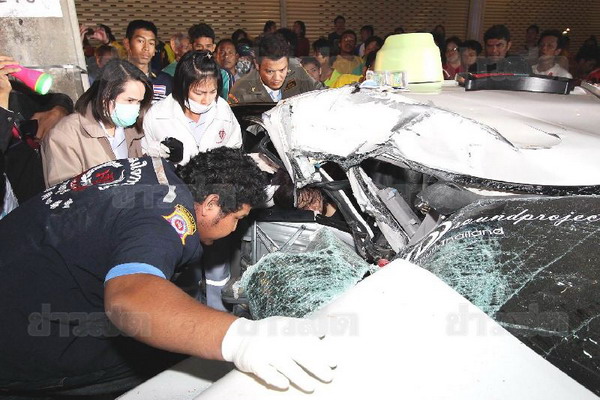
{"x":155,"y":149}
{"x":276,"y":349}
{"x":163,"y":151}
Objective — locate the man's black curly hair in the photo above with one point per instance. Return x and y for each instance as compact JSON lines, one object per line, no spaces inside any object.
{"x":273,"y":46}
{"x":227,"y":172}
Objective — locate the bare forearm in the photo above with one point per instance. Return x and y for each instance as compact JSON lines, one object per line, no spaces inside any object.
{"x":156,"y":312}
{"x":4,"y":100}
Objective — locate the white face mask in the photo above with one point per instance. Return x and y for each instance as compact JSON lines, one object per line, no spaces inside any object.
{"x":198,"y":108}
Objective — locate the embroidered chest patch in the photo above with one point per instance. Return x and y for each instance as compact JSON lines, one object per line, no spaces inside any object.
{"x":182,"y":221}
{"x":291,"y":84}
{"x":221,"y":136}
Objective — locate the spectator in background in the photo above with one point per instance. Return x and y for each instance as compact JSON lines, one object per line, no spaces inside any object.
{"x":497,"y":44}
{"x":193,"y":114}
{"x":374,"y":43}
{"x":398,"y":30}
{"x":274,"y":78}
{"x":439,"y":37}
{"x":246,"y":59}
{"x":302,"y":43}
{"x":586,"y":60}
{"x":103,"y":54}
{"x":86,"y":34}
{"x":269,"y":27}
{"x":312,"y":67}
{"x":202,"y":37}
{"x":88,"y":51}
{"x":339,"y":26}
{"x":439,"y":31}
{"x":453,"y":63}
{"x":107,"y":124}
{"x":365,"y":32}
{"x":346,"y":62}
{"x":294,"y":64}
{"x":104,"y":35}
{"x":140,"y":43}
{"x":592,"y":45}
{"x":550,"y":46}
{"x":323,"y":51}
{"x":161,"y":57}
{"x":531,"y":36}
{"x":180,"y":44}
{"x":469,"y":52}
{"x":227,"y":56}
{"x":239,"y":34}
{"x":566,"y":59}
{"x":347,"y":79}
{"x":530,"y":50}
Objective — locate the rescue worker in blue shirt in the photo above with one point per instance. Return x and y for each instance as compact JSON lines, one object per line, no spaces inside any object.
{"x":87,"y":266}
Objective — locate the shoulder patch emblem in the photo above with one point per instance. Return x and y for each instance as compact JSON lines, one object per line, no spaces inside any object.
{"x":182,"y":221}
{"x":232,"y":98}
{"x":291,"y":84}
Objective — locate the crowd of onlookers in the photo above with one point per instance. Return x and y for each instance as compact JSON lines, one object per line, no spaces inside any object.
{"x":172,"y":99}
{"x":546,"y":52}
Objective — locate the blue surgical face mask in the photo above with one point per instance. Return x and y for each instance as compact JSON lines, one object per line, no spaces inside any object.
{"x":125,"y":115}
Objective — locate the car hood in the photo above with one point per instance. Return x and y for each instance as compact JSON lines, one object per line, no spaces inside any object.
{"x":514,"y":137}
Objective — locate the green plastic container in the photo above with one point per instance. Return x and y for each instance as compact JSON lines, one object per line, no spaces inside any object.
{"x":418,"y":56}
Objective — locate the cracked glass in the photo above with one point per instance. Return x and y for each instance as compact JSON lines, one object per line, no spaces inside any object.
{"x":532,"y":264}
{"x":296,"y":284}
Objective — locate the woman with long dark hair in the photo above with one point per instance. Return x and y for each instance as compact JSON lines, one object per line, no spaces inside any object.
{"x":302,"y":45}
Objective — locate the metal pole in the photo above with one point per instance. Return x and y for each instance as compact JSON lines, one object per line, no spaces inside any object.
{"x":283,"y":13}
{"x":476,"y":13}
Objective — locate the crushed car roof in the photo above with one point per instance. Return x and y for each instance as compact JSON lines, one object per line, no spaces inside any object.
{"x":516,"y":137}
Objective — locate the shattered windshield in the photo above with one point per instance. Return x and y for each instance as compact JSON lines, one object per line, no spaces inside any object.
{"x":533,"y":265}
{"x":296,"y":284}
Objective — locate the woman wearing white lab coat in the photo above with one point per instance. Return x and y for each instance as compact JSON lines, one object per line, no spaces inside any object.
{"x":193,"y":113}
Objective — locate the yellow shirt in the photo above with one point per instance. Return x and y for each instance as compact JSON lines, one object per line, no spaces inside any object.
{"x":170,"y":53}
{"x":345,"y":66}
{"x":331,"y":80}
{"x":120,"y":48}
{"x":345,"y":79}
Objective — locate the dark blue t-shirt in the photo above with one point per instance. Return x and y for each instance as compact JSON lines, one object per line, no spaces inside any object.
{"x":58,"y":249}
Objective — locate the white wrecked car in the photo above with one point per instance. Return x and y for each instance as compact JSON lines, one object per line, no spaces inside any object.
{"x":493,"y":194}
